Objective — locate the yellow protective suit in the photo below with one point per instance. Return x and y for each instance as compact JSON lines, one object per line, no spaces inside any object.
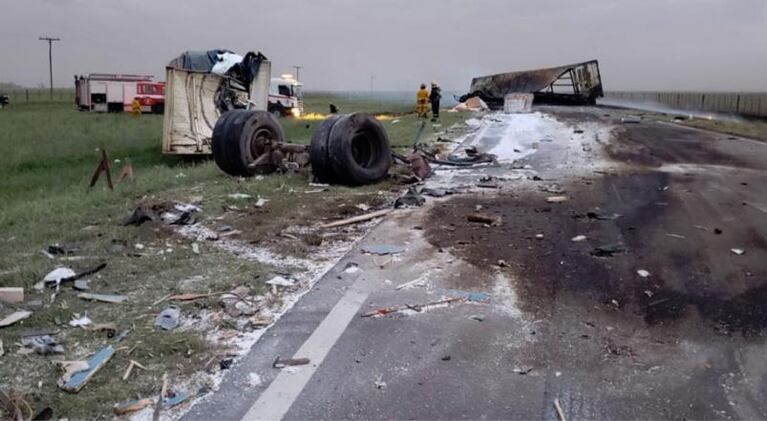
{"x":422,"y":101}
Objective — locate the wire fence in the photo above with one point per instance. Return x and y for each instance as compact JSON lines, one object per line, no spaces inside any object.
{"x":20,"y":96}
{"x":744,"y":103}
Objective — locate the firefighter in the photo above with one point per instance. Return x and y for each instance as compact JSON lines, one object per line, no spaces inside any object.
{"x":434,"y":97}
{"x":136,"y":107}
{"x":421,"y":101}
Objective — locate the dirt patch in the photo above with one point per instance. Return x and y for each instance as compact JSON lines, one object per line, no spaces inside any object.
{"x":631,"y":221}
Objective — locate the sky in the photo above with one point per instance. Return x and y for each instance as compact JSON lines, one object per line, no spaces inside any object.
{"x":699,"y":45}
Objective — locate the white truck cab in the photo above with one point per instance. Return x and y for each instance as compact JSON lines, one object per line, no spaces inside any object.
{"x":285,"y":96}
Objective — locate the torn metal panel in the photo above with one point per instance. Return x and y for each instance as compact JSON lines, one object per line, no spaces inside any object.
{"x":578,"y":83}
{"x":196,"y":96}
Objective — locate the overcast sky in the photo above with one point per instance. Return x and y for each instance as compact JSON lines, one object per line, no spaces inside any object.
{"x":640,"y":44}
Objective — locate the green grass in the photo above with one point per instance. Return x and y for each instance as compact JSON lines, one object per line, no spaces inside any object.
{"x":48,"y":152}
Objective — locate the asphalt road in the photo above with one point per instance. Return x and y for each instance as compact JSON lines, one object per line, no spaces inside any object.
{"x":562,"y":321}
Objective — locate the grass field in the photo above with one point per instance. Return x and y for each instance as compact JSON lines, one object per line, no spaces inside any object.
{"x":48,"y":152}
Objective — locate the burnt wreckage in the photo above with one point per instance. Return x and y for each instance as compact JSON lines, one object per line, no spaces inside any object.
{"x":572,"y":84}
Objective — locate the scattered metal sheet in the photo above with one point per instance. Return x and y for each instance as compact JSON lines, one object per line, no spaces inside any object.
{"x":382,"y":249}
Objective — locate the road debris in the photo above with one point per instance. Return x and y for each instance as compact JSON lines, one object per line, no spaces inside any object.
{"x":81,"y":285}
{"x":80,"y":321}
{"x":239,"y":196}
{"x":477,"y":317}
{"x":43,"y":345}
{"x":175,"y":399}
{"x":379,"y":383}
{"x":483,"y":218}
{"x":411,"y":307}
{"x":130,"y":368}
{"x":413,"y":283}
{"x":681,"y":237}
{"x":161,"y":399}
{"x":13,"y":404}
{"x":192,"y":296}
{"x":557,"y":199}
{"x":738,"y":252}
{"x":351,"y":268}
{"x":522,"y":371}
{"x":15,"y":317}
{"x":132,"y":406}
{"x":643,"y":273}
{"x":12,"y":295}
{"x":289,"y":362}
{"x":551,"y":188}
{"x":382,"y":249}
{"x":608,"y":250}
{"x":62,"y":275}
{"x":357,"y":219}
{"x":560,"y":412}
{"x":78,"y":373}
{"x":281,"y":281}
{"x":169,"y":318}
{"x":411,"y":199}
{"x":106,"y":298}
{"x":578,"y":238}
{"x":436,"y":192}
{"x":54,"y":277}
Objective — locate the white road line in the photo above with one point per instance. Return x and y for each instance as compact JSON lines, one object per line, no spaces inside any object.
{"x":277,"y":399}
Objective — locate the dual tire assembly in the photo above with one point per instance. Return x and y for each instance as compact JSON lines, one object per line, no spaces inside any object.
{"x":351,"y":149}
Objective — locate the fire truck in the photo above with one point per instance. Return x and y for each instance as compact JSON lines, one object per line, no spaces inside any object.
{"x":285,"y":97}
{"x":103,"y":92}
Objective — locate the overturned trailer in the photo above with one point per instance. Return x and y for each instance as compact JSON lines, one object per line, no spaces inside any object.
{"x":217,"y":104}
{"x":202,"y":85}
{"x":572,"y":84}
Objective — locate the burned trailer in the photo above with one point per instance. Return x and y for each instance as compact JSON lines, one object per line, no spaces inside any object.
{"x":572,"y":84}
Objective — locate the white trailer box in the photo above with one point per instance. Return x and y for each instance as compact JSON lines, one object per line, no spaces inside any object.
{"x":191,"y":111}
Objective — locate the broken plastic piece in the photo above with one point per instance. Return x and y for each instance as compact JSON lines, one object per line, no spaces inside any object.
{"x":168,"y":319}
{"x":107,"y":298}
{"x":382,"y":249}
{"x":74,"y":381}
{"x":43,"y":345}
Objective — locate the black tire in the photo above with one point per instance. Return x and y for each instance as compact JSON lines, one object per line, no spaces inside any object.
{"x":318,"y":151}
{"x":359,"y":150}
{"x":277,"y":111}
{"x":235,"y":138}
{"x":220,"y":134}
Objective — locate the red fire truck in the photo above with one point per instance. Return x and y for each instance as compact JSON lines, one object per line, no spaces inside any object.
{"x":102,"y":92}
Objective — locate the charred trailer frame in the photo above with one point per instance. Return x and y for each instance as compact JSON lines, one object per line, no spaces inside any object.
{"x":572,"y":84}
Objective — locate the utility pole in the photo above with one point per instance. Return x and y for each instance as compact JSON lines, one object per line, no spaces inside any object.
{"x":372,"y":79}
{"x":50,"y":58}
{"x":298,"y":68}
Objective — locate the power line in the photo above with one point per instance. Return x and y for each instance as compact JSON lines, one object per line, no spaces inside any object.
{"x":50,"y":58}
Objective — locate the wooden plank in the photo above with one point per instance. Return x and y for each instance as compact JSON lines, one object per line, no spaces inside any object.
{"x":356,"y":219}
{"x":15,"y":317}
{"x":79,"y":379}
{"x":107,"y":298}
{"x":132,"y":406}
{"x":13,"y":295}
